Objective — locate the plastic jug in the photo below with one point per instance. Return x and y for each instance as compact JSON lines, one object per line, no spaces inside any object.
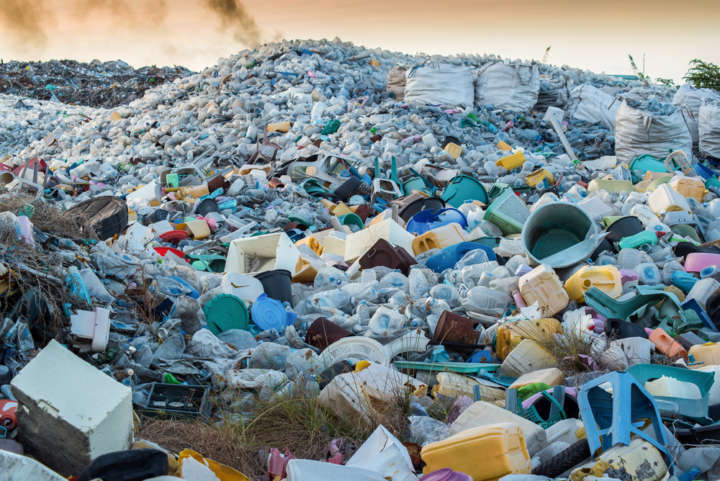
{"x":689,"y":187}
{"x":605,"y":278}
{"x":528,"y":356}
{"x":502,"y":446}
{"x":510,"y":334}
{"x":551,"y":376}
{"x":438,"y":238}
{"x":666,"y":344}
{"x":665,"y":199}
{"x":543,"y":286}
{"x":703,"y":355}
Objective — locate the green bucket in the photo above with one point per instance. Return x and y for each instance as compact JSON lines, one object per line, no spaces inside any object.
{"x":224,"y":312}
{"x":463,"y":188}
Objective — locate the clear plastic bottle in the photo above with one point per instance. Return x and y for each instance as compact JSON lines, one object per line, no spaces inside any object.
{"x":649,"y":273}
{"x":418,"y":284}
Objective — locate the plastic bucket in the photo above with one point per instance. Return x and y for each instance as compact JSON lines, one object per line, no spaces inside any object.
{"x":462,"y":188}
{"x":560,"y":235}
{"x":268,"y":313}
{"x":277,"y":284}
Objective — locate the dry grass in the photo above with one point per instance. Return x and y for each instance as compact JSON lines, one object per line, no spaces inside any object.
{"x":46,"y":217}
{"x":298,"y":423}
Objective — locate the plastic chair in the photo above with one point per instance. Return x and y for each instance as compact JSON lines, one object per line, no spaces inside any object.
{"x":612,"y":419}
{"x":695,"y":409}
{"x":514,"y":404}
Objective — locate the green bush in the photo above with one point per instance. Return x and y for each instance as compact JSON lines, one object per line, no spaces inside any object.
{"x":703,"y":74}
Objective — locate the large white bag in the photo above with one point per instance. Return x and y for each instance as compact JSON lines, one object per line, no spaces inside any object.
{"x":396,"y":81}
{"x":639,"y":132}
{"x":709,"y":129}
{"x":508,"y":86}
{"x":592,"y":105}
{"x":440,"y":84}
{"x":689,"y":99}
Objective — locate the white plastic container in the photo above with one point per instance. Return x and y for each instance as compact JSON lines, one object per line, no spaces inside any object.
{"x":385,"y":454}
{"x":252,"y":255}
{"x":527,"y":356}
{"x":246,"y":287}
{"x":486,"y":301}
{"x":703,"y":289}
{"x":309,"y":470}
{"x":543,"y":286}
{"x":357,"y":243}
{"x":665,"y":199}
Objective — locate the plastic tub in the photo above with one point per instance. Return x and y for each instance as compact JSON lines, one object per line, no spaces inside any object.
{"x":246,"y":287}
{"x":560,"y":235}
{"x":277,"y":284}
{"x":697,"y":261}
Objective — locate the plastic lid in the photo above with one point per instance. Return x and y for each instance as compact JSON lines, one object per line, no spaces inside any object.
{"x":268,"y":313}
{"x":224,"y":312}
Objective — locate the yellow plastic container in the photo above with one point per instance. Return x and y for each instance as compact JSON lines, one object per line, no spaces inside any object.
{"x":510,"y":334}
{"x":689,"y":187}
{"x":502,"y":145}
{"x":605,"y":278}
{"x":543,"y":286}
{"x":278,"y":127}
{"x":512,"y":161}
{"x":454,"y":150}
{"x":438,"y":238}
{"x":610,"y":185}
{"x":486,"y":453}
{"x":537,"y":176}
{"x":198,"y":228}
{"x":702,"y":355}
{"x":312,"y":243}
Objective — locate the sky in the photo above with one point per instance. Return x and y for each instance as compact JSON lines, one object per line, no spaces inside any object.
{"x":582,"y":33}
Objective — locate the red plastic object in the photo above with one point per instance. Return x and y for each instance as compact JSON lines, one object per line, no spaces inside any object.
{"x":8,"y":408}
{"x":164,"y":250}
{"x":42,"y":166}
{"x":174,"y":236}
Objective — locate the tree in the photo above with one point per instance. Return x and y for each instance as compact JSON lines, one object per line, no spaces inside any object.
{"x":703,"y":74}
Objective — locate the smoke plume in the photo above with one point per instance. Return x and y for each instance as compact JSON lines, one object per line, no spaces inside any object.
{"x":28,"y":22}
{"x":234,"y":17}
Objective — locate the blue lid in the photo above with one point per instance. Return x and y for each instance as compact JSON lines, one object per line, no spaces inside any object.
{"x":268,"y":313}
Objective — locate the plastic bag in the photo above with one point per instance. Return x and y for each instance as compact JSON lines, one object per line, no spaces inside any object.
{"x":508,"y":87}
{"x":440,"y":84}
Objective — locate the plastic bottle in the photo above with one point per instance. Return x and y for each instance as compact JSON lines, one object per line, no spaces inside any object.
{"x":648,"y":273}
{"x":418,"y":284}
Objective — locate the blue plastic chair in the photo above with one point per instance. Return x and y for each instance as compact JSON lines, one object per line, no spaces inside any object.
{"x":611,"y":419}
{"x":671,"y":406}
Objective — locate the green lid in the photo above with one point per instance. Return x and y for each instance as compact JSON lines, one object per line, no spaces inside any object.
{"x":225,"y":312}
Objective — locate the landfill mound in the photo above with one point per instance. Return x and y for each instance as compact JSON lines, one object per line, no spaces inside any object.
{"x":96,"y":84}
{"x":316,"y":261}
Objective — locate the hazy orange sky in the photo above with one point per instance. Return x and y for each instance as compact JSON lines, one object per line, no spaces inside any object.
{"x":582,"y":33}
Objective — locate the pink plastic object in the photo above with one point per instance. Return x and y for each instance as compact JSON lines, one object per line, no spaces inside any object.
{"x":696,"y":261}
{"x":626,"y":275}
{"x":519,"y":301}
{"x":446,"y":474}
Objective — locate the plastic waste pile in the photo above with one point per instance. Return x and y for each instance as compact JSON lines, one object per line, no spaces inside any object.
{"x":521,"y":259}
{"x":97,"y":84}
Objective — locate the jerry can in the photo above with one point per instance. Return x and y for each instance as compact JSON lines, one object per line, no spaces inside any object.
{"x":689,"y":187}
{"x":702,"y":355}
{"x":510,"y":334}
{"x":605,"y":278}
{"x":486,"y":453}
{"x":438,"y":238}
{"x":543,"y":286}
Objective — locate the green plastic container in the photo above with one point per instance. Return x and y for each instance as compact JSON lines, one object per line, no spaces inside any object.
{"x":508,"y":212}
{"x":646,"y":237}
{"x":352,"y":219}
{"x":457,"y":367}
{"x":463,"y":188}
{"x":225,"y":312}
